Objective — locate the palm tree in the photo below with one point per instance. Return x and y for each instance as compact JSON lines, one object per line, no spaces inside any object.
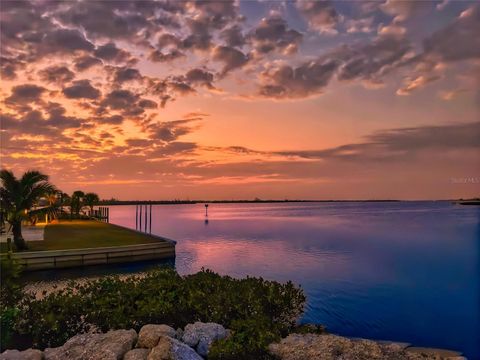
{"x":17,"y":197}
{"x":76,"y":202}
{"x":90,"y":200}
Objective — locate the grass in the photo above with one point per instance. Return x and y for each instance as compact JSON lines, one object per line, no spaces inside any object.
{"x":77,"y":234}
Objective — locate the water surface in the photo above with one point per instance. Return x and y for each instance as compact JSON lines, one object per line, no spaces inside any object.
{"x":404,"y":271}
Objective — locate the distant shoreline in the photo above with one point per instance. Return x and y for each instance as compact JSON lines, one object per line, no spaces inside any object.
{"x":180,"y":202}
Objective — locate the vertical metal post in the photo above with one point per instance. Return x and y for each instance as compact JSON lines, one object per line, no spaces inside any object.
{"x":146,"y":218}
{"x":136,"y":217}
{"x":140,"y":218}
{"x":150,"y":229}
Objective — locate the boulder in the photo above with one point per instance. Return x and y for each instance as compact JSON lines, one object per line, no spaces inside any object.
{"x":112,"y":345}
{"x":149,"y":335}
{"x":137,"y":354}
{"x":30,"y":354}
{"x":172,"y":349}
{"x":201,"y":335}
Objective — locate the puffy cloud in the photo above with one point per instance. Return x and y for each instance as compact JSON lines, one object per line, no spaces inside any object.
{"x":169,"y":131}
{"x":111,"y":52}
{"x":159,"y":56}
{"x":85,"y":62}
{"x":179,"y":86}
{"x":81,"y":89}
{"x":10,"y":66}
{"x":56,"y":74}
{"x":233,"y":36}
{"x":200,"y":37}
{"x":129,"y":103}
{"x":113,"y":119}
{"x":230,"y":57}
{"x":123,"y":74}
{"x":321,"y":15}
{"x":372,"y":60}
{"x":402,"y":10}
{"x":288,"y":82}
{"x":362,"y":25}
{"x":200,"y":77}
{"x":273,"y":34}
{"x":108,"y":19}
{"x":369,"y":62}
{"x":66,"y":41}
{"x":167,"y":39}
{"x":147,"y":104}
{"x":33,"y":122}
{"x":25,"y":93}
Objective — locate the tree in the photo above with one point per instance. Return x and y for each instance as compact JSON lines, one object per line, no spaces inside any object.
{"x":65,"y":200}
{"x":90,"y":200}
{"x":76,"y":202}
{"x":17,"y":197}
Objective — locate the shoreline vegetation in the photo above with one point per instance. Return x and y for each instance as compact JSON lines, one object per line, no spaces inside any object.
{"x":257,"y":311}
{"x":215,"y":317}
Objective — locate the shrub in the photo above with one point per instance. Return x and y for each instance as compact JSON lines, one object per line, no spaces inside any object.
{"x":249,"y":340}
{"x":10,"y":271}
{"x":8,"y":318}
{"x":257,"y":311}
{"x":10,"y":294}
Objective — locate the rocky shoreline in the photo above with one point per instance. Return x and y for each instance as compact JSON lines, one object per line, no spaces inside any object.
{"x":162,"y":342}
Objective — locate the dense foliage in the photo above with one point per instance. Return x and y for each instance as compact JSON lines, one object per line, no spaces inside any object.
{"x":257,"y":311}
{"x":18,"y":196}
{"x":10,"y":294}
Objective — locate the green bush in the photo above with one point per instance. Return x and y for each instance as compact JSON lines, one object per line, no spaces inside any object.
{"x":8,"y":318}
{"x":257,"y":311}
{"x":10,"y":294}
{"x":249,"y":340}
{"x":10,"y":290}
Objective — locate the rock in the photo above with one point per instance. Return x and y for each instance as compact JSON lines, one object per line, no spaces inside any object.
{"x":329,"y":347}
{"x":201,"y":335}
{"x":112,"y":345}
{"x":172,"y":349}
{"x":30,"y":354}
{"x":137,"y":354}
{"x":437,"y":353}
{"x":149,"y":335}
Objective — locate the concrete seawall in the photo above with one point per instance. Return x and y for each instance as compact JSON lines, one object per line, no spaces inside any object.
{"x":57,"y":259}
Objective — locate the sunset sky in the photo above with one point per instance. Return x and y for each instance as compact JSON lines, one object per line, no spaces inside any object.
{"x":243,"y":99}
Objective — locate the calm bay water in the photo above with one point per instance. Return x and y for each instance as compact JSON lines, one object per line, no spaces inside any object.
{"x":404,"y":271}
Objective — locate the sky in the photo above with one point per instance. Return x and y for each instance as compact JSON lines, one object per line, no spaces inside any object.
{"x":212,"y":100}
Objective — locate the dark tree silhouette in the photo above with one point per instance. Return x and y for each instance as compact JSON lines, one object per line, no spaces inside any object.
{"x":17,"y":197}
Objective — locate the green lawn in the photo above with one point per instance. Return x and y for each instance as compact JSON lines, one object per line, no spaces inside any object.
{"x":77,"y":234}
